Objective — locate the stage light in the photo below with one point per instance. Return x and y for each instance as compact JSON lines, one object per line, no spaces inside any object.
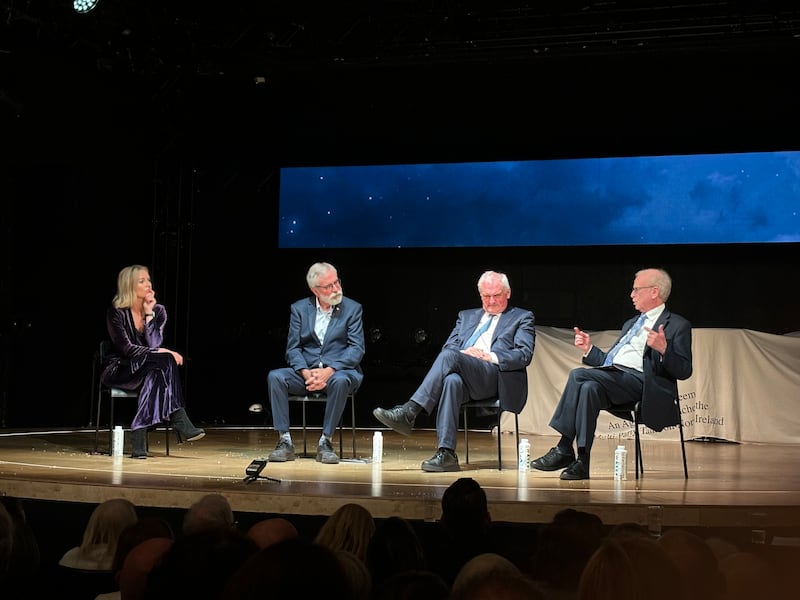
{"x":375,"y":335}
{"x":421,"y":336}
{"x":84,"y":6}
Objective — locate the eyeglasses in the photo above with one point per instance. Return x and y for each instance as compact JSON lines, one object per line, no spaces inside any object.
{"x":330,"y":287}
{"x":636,"y":290}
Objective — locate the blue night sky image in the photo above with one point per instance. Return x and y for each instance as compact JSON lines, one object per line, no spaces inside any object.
{"x":683,"y":199}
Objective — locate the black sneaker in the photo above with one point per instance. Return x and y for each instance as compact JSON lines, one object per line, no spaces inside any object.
{"x":283,"y":451}
{"x":325,"y":453}
{"x":553,"y":460}
{"x":395,"y":418}
{"x":444,"y":460}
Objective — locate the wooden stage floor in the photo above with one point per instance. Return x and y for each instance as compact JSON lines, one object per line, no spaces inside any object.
{"x":730,"y":485}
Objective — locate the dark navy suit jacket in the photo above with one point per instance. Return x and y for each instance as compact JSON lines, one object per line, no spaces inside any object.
{"x":343,"y":347}
{"x":660,"y":375}
{"x":513,"y":341}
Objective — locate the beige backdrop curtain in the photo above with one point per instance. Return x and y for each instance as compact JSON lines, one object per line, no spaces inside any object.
{"x":745,"y":387}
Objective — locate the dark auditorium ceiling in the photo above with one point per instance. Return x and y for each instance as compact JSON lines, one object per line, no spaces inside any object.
{"x":250,"y":37}
{"x":178,"y":58}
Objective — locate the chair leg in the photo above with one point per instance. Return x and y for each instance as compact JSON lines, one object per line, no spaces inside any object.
{"x":466,"y":436}
{"x":683,"y":446}
{"x":341,"y":444}
{"x":637,"y":443}
{"x":305,"y":449}
{"x":353,"y":421}
{"x":110,"y":421}
{"x":97,"y":421}
{"x":499,"y":444}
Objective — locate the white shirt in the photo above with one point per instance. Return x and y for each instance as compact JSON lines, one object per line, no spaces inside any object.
{"x":632,"y":354}
{"x":322,"y":321}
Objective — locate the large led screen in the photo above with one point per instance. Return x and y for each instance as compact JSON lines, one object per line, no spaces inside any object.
{"x":681,"y":199}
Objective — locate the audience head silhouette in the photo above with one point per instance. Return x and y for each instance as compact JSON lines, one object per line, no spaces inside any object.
{"x":212,"y":511}
{"x":701,"y":578}
{"x":349,"y":528}
{"x":465,"y":508}
{"x":395,"y":547}
{"x":292,"y":568}
{"x":629,"y":568}
{"x":199,"y":565}
{"x":137,"y":565}
{"x":271,"y":531}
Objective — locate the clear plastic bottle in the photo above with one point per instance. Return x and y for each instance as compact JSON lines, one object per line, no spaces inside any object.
{"x":117,"y":441}
{"x":377,"y":447}
{"x":620,"y":463}
{"x":524,"y":454}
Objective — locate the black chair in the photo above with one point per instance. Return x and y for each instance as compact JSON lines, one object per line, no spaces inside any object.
{"x":112,"y":394}
{"x":491,"y":403}
{"x":322,"y":397}
{"x":633,"y":412}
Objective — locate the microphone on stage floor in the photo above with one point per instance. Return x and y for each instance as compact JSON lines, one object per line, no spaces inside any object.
{"x":253,"y":471}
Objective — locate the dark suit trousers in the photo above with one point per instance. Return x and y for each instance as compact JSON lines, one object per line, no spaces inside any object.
{"x":587,"y":392}
{"x":453,"y":379}
{"x":286,"y":381}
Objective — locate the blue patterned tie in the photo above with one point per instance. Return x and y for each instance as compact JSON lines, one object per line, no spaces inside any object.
{"x":625,"y":339}
{"x":479,"y":332}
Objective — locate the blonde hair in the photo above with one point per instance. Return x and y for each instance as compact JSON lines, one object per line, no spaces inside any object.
{"x":126,"y":283}
{"x":106,"y":523}
{"x":349,"y":528}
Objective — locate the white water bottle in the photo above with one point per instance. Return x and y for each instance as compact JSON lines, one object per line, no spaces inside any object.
{"x":620,"y":463}
{"x":377,"y":447}
{"x":117,"y":441}
{"x":524,"y":454}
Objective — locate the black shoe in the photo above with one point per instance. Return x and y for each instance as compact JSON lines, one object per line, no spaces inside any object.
{"x":396,"y":418}
{"x":444,"y":460}
{"x":577,"y":470}
{"x":182,"y":424}
{"x":283,"y":451}
{"x":325,"y":453}
{"x":552,"y":461}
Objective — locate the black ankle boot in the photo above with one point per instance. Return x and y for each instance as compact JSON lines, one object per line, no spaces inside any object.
{"x":139,"y":442}
{"x":181,"y":423}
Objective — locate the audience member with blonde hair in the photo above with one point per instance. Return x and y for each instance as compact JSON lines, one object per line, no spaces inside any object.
{"x":99,"y":543}
{"x":349,"y":528}
{"x":481,"y":575}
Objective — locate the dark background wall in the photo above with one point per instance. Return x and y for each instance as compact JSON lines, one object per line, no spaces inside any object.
{"x":106,"y":165}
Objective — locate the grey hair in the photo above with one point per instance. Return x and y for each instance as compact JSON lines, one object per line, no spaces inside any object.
{"x":661,"y":280}
{"x":487,"y":275}
{"x":316,"y":271}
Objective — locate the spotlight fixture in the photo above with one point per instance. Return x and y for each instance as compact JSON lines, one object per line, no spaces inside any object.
{"x":375,"y":335}
{"x":421,"y":336}
{"x":84,"y":6}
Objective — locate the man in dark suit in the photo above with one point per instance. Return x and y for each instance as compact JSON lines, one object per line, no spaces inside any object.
{"x":653,"y":352}
{"x":485,"y":356}
{"x":324,"y":349}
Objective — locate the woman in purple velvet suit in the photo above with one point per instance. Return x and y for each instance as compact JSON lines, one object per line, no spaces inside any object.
{"x":138,"y":361}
